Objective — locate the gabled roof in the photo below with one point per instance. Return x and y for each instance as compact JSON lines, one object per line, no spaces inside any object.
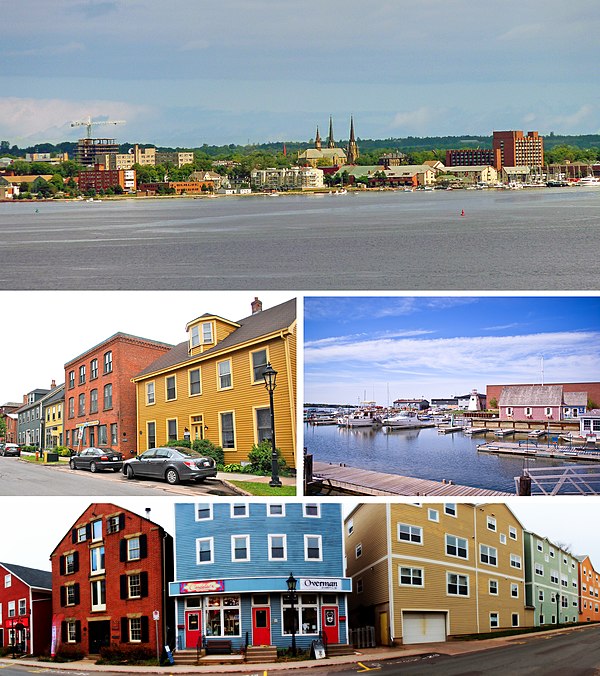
{"x":575,"y":398}
{"x":262,"y":323}
{"x":33,"y":577}
{"x":531,"y":395}
{"x":57,"y":394}
{"x":116,"y":336}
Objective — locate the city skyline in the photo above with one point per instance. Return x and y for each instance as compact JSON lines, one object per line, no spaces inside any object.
{"x":381,"y":348}
{"x":232,"y":73}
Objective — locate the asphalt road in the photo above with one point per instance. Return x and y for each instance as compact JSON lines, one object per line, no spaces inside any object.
{"x":18,"y":477}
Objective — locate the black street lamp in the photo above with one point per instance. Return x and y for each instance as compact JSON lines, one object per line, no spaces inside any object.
{"x":270,"y":377}
{"x":291,"y":585}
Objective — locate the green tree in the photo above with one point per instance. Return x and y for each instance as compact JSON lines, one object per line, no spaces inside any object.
{"x":2,"y":427}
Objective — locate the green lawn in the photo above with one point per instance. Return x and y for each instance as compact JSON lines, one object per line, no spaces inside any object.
{"x":256,"y":488}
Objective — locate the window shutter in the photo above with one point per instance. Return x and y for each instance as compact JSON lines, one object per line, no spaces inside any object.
{"x":121,"y":521}
{"x":63,"y":630}
{"x":143,"y":546}
{"x":62,"y":565}
{"x":145,"y":632}
{"x":63,"y":597}
{"x":122,"y":550}
{"x":123,"y":584}
{"x":78,"y":625}
{"x":76,"y":593}
{"x":74,"y":535}
{"x":144,"y":584}
{"x":88,"y":531}
{"x":76,"y":562}
{"x":124,"y":630}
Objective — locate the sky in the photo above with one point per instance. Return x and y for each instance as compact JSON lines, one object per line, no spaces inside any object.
{"x":189,"y":72}
{"x":44,"y":521}
{"x":381,"y":348}
{"x":40,"y":340}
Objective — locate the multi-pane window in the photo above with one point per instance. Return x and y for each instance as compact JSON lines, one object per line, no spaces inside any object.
{"x":82,"y":374}
{"x":98,"y":588}
{"x":81,"y":407}
{"x":408,"y":533}
{"x":312,"y":548}
{"x":113,"y":434}
{"x":358,"y":550}
{"x":491,"y":523}
{"x":494,"y":621}
{"x":12,"y":608}
{"x":207,"y":333}
{"x":539,"y":569}
{"x":540,"y":594}
{"x":259,"y":365}
{"x":113,"y":524}
{"x":134,"y":586}
{"x":514,"y":590}
{"x":108,"y":362}
{"x":263,"y":424}
{"x":450,"y":508}
{"x":457,"y":585}
{"x":93,"y":401}
{"x":71,"y":407}
{"x":172,"y":429}
{"x":204,"y":550}
{"x":411,"y":576}
{"x":133,"y":549}
{"x":224,"y":372}
{"x":151,"y":427}
{"x":240,"y":548}
{"x":135,"y":629}
{"x":515,"y":561}
{"x":512,"y":532}
{"x":493,"y":587}
{"x":223,"y":616}
{"x":22,"y":607}
{"x":277,"y":548}
{"x":71,"y":379}
{"x":195,"y":336}
{"x":540,"y":546}
{"x":227,"y":430}
{"x":456,"y":546}
{"x":70,"y":595}
{"x":93,"y":369}
{"x":195,"y":382}
{"x":108,"y":396}
{"x":97,"y":560}
{"x":303,"y":618}
{"x":150,"y":393}
{"x":170,"y":388}
{"x":70,"y":564}
{"x":488,"y":555}
{"x":81,"y":534}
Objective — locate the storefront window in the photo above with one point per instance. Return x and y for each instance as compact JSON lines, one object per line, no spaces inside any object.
{"x":304,"y":616}
{"x":223,"y":616}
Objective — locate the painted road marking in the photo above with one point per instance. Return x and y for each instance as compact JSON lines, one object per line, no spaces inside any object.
{"x":365,"y":668}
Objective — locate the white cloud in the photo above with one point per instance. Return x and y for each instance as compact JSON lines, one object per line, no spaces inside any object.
{"x":416,"y":121}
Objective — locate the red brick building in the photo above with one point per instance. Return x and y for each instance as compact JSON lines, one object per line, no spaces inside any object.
{"x":100,"y":406}
{"x":25,"y":609}
{"x":473,"y":157}
{"x":100,"y":178}
{"x":517,"y":150}
{"x":109,"y":576}
{"x":7,"y":412}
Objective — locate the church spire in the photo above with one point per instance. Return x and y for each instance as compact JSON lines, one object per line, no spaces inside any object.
{"x":318,"y":144}
{"x":352,"y":145}
{"x":330,"y":142}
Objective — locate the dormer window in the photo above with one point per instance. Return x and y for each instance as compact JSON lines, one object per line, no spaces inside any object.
{"x":207,"y":333}
{"x":195,"y":336}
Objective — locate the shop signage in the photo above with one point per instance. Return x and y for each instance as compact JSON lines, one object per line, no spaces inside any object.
{"x":320,"y":584}
{"x":201,"y":587}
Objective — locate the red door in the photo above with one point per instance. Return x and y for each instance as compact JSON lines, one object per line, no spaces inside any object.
{"x":193,"y":628}
{"x":261,"y":626}
{"x":329,"y":623}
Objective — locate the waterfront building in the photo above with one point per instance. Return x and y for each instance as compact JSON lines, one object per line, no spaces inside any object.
{"x":428,"y":572}
{"x":207,"y":177}
{"x":592,"y":389}
{"x":101,"y":178}
{"x":177,"y":158}
{"x":92,"y":151}
{"x":516,"y":175}
{"x":212,"y":384}
{"x":472,"y":175}
{"x":30,"y":420}
{"x":394,"y":159}
{"x":589,"y":590}
{"x":412,"y":404}
{"x":474,"y":401}
{"x":540,"y":402}
{"x":551,"y":581}
{"x":516,"y":149}
{"x":331,"y":155}
{"x":110,"y":573}
{"x":14,"y":185}
{"x":589,"y":422}
{"x":473,"y":157}
{"x":191,"y":187}
{"x":233,"y":562}
{"x":52,"y":413}
{"x":25,"y":609}
{"x":293,"y":178}
{"x":409,"y":175}
{"x":99,"y":393}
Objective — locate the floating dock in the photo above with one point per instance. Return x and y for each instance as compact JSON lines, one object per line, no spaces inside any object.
{"x":450,"y":430}
{"x":472,"y":431}
{"x":540,"y":451}
{"x":366,"y":482}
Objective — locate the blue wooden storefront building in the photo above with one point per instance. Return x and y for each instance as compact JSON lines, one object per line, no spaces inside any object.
{"x":232,"y":564}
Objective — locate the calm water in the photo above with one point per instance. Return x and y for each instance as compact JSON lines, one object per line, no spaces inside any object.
{"x":536,"y":239}
{"x":420,"y":453}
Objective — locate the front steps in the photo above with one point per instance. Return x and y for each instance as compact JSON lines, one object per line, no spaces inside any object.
{"x":259,"y":654}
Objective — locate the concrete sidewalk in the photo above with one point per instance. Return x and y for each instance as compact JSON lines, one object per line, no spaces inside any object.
{"x":366,"y":656}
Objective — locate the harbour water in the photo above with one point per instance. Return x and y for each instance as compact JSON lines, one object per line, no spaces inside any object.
{"x":421,"y":453}
{"x":543,"y":238}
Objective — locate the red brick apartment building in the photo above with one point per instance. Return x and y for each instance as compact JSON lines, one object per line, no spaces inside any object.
{"x":101,"y":178}
{"x":109,"y":576}
{"x":99,"y":395}
{"x":472,"y":157}
{"x":516,"y":149}
{"x":25,"y":609}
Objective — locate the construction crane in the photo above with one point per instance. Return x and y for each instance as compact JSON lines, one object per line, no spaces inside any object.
{"x":89,"y":124}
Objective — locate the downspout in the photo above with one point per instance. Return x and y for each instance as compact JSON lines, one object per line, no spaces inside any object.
{"x":293,"y":413}
{"x":476,"y":566}
{"x":391,"y":618}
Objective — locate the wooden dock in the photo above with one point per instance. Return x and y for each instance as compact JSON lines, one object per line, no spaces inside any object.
{"x":366,"y":482}
{"x":531,"y":449}
{"x":450,"y":430}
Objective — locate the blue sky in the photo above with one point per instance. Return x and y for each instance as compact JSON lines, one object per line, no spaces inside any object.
{"x":359,"y":346}
{"x":187,"y":72}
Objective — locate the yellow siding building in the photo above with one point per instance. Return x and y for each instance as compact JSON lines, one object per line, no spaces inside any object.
{"x":211,"y":386}
{"x":424,"y":573}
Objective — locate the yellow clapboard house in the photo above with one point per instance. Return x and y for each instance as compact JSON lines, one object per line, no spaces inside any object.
{"x":211,"y":386}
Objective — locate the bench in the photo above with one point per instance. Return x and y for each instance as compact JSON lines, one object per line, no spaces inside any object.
{"x":219,"y":646}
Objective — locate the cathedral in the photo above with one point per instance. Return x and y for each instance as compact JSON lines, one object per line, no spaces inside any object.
{"x":330,"y":155}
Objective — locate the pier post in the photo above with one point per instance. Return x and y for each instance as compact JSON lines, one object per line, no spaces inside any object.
{"x":524,"y":485}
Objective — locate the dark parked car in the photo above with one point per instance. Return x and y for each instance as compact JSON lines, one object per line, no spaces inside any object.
{"x":173,"y":464}
{"x":96,"y":459}
{"x":10,"y":449}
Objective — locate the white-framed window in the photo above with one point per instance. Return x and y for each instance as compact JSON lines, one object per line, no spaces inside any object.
{"x":81,"y":534}
{"x":502,"y":538}
{"x":450,"y":509}
{"x":410,"y":577}
{"x":222,"y":617}
{"x":150,"y":394}
{"x":172,"y":429}
{"x":70,"y":563}
{"x":304,"y":618}
{"x":488,"y":555}
{"x":493,"y":587}
{"x":259,"y":365}
{"x":82,"y":374}
{"x":7,"y":580}
{"x":539,"y":569}
{"x":491,"y":523}
{"x":539,"y":545}
{"x":457,"y":584}
{"x":108,"y":396}
{"x":71,"y":631}
{"x":98,"y":589}
{"x":358,"y":550}
{"x":457,"y":546}
{"x":540,"y":594}
{"x":509,"y":410}
{"x":515,"y":561}
{"x":134,"y":586}
{"x":350,"y":526}
{"x":238,"y":510}
{"x":195,"y":336}
{"x":170,"y":388}
{"x":313,"y":548}
{"x":514,"y":619}
{"x":227,"y":429}
{"x":22,"y":607}
{"x":408,"y":533}
{"x":204,"y":511}
{"x":225,"y":381}
{"x":97,"y":560}
{"x":433,"y":515}
{"x":195,"y":382}
{"x":93,"y":369}
{"x":311,"y":510}
{"x":276,"y":509}
{"x":514,"y":590}
{"x":494,"y":620}
{"x":551,"y":552}
{"x":240,"y":548}
{"x":135,"y":629}
{"x":277,"y":548}
{"x":554,"y":576}
{"x":108,"y":362}
{"x":12,"y":608}
{"x":204,"y":550}
{"x":134,"y":552}
{"x":207,"y":333}
{"x":97,"y":530}
{"x":512,"y":532}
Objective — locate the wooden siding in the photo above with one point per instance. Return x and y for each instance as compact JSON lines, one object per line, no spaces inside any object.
{"x":220,"y":330}
{"x":243,"y":398}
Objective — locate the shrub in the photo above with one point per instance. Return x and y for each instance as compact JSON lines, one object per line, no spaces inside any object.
{"x":207,"y":447}
{"x":126,"y":654}
{"x":260,"y":459}
{"x":63,"y":451}
{"x":68,"y":653}
{"x":233,"y":467}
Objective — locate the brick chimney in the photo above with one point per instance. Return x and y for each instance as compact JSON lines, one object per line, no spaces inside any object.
{"x":256,"y":305}
{"x":53,"y":384}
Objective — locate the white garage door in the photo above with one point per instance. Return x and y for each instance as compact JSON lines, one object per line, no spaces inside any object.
{"x":423,"y":627}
